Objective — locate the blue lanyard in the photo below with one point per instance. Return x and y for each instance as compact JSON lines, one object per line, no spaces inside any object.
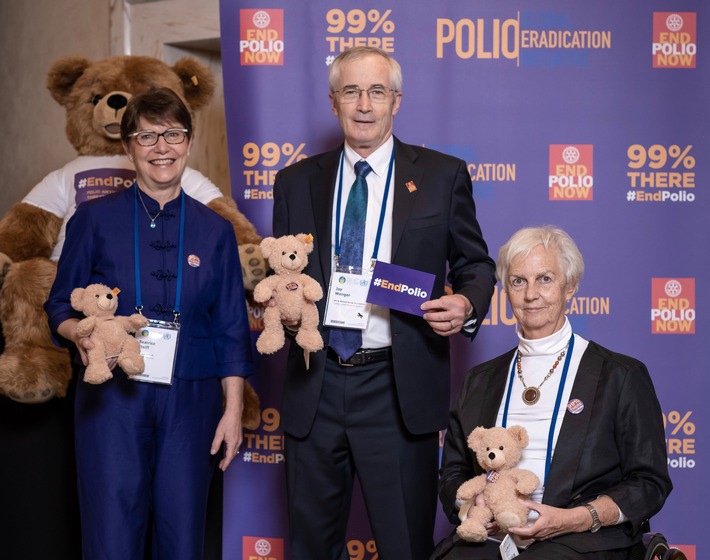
{"x":382,"y":209}
{"x":551,"y":434}
{"x":136,"y":253}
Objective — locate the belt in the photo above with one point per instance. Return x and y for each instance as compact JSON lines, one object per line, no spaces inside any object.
{"x":362,"y":356}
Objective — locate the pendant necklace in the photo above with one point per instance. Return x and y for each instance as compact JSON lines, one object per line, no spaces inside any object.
{"x":532,"y":394}
{"x":153,"y":218}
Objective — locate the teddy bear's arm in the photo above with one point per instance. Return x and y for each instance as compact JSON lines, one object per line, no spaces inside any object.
{"x":312,"y":290}
{"x":132,"y":323}
{"x":264,"y":289}
{"x":86,"y":326}
{"x":525,"y":481}
{"x":471,"y":488}
{"x":243,"y":228}
{"x":27,"y":231}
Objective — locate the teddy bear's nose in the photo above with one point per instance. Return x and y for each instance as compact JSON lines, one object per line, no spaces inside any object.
{"x":491,"y":455}
{"x":117,"y":101}
{"x":109,"y":296}
{"x":292,"y":257}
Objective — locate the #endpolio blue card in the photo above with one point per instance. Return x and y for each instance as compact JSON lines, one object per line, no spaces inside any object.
{"x":400,"y":288}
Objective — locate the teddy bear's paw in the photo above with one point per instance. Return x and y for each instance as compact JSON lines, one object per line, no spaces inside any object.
{"x":472,"y":532}
{"x":268,"y":343}
{"x":309,"y":340}
{"x":96,"y":376}
{"x":508,"y":519}
{"x":132,"y":365}
{"x":31,"y":396}
{"x":254,"y":265}
{"x":5,"y":263}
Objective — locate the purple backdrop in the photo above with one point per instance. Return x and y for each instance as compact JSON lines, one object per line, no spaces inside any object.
{"x":591,"y":116}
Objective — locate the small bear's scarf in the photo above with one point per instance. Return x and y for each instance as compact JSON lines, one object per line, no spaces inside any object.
{"x":492,"y":476}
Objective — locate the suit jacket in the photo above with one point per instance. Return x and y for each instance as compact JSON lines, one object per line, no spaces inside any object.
{"x":431,"y":227}
{"x":615,"y":446}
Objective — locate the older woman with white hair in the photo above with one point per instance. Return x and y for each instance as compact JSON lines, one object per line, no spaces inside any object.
{"x":595,"y":427}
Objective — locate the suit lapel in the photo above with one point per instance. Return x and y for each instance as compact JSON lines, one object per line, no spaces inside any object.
{"x":405,"y":171}
{"x":573,"y":433}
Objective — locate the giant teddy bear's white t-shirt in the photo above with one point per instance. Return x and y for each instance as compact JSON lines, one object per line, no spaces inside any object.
{"x":89,"y":177}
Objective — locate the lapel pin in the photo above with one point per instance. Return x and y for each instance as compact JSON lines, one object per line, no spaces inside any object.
{"x":411,"y":187}
{"x":193,"y":261}
{"x":575,"y":406}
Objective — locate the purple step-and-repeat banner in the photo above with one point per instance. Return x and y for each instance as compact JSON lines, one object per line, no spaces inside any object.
{"x":588,"y":115}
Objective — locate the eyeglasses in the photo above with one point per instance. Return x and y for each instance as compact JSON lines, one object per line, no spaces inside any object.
{"x":150,"y":138}
{"x":377,"y":94}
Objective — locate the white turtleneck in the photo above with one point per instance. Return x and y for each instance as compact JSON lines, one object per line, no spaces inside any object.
{"x":538,"y":356}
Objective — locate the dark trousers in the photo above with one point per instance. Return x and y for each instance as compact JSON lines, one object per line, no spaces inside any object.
{"x":143,"y":457}
{"x":358,"y":431}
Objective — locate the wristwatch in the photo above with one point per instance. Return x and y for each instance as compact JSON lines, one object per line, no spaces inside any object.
{"x":596,"y":524}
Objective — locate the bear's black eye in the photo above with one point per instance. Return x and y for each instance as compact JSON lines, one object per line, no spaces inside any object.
{"x":488,"y":448}
{"x":95,"y":100}
{"x":97,"y":296}
{"x":283,"y":252}
{"x":501,"y":448}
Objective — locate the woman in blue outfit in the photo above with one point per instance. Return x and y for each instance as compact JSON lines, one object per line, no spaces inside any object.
{"x":144,"y":446}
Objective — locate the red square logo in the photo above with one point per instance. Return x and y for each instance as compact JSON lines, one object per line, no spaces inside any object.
{"x":261,"y":37}
{"x":674,"y":40}
{"x":571,"y":172}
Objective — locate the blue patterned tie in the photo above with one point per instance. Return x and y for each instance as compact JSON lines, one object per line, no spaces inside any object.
{"x":346,"y":341}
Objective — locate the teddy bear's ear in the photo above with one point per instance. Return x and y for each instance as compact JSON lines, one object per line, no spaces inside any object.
{"x":307,"y":240}
{"x":62,"y":76}
{"x":267,"y":246}
{"x":476,"y":437}
{"x":520,"y":435}
{"x":76,"y":298}
{"x":197,"y":82}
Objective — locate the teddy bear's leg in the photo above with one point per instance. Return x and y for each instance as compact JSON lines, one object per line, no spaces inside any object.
{"x":473,"y":529}
{"x":251,"y":414}
{"x":272,"y":338}
{"x":97,"y":371}
{"x":130,"y":358}
{"x":513,"y":515}
{"x":32,"y":368}
{"x":308,"y":336}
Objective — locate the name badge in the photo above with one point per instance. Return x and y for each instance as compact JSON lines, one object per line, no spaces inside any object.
{"x":508,"y":549}
{"x":158,"y":341}
{"x":346,"y":306}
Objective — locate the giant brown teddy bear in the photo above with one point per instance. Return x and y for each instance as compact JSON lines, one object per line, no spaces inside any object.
{"x":94,"y":94}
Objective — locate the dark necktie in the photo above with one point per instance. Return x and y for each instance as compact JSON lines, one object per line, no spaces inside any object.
{"x":346,"y":341}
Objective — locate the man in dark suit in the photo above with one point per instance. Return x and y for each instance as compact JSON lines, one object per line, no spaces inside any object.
{"x":376,"y":413}
{"x":596,"y":432}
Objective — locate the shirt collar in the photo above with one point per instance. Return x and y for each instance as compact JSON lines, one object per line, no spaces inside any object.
{"x":379,"y":160}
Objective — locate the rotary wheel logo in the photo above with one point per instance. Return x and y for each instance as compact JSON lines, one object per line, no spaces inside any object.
{"x":261,"y":19}
{"x":262,"y":547}
{"x":570,"y":154}
{"x":674,"y":22}
{"x":673,"y":288}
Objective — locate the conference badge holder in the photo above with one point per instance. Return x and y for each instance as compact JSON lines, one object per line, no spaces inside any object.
{"x":158,"y":341}
{"x":346,"y":306}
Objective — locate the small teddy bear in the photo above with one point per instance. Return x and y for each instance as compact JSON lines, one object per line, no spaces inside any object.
{"x":497,"y":451}
{"x":110,"y":333}
{"x":295,"y":294}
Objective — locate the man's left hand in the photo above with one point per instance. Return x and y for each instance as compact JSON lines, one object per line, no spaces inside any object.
{"x":447,"y":314}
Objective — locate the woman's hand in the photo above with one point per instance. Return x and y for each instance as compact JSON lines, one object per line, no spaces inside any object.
{"x":553,"y":522}
{"x":67,"y":329}
{"x":229,"y":429}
